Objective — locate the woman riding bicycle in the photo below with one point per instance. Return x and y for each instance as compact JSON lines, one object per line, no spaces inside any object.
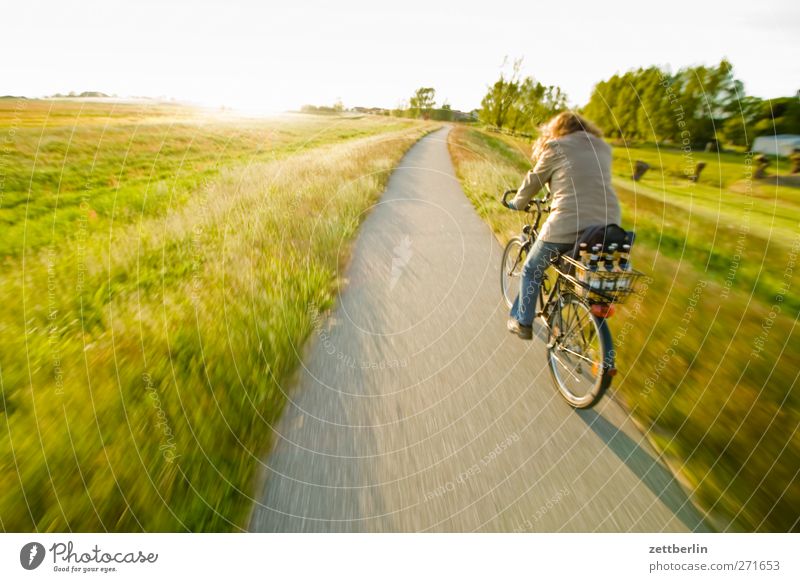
{"x":571,"y":157}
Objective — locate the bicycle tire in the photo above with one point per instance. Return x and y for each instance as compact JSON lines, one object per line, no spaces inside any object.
{"x":515,"y":252}
{"x":571,"y":344}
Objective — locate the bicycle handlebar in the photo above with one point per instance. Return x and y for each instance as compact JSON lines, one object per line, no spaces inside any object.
{"x":535,"y":206}
{"x":529,"y":207}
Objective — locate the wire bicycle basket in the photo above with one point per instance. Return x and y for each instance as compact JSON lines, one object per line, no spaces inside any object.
{"x":598,"y":285}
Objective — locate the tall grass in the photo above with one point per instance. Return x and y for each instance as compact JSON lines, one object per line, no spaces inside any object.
{"x":60,"y":160}
{"x":707,"y":356}
{"x":143,"y":362}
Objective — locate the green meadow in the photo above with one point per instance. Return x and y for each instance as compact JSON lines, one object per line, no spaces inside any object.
{"x":705,"y":352}
{"x":156,"y":265}
{"x":157,"y":262}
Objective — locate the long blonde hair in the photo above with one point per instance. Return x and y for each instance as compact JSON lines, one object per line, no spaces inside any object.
{"x":564,"y":123}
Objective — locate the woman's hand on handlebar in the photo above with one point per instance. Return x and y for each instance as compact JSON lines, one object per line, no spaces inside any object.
{"x":506,"y":194}
{"x":537,"y":202}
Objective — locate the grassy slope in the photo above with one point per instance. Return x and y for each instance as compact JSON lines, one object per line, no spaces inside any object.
{"x":127,"y":161}
{"x":141,"y":366}
{"x":707,"y":364}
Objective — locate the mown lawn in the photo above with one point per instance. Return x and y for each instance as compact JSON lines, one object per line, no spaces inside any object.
{"x":158,"y":263}
{"x":707,"y":354}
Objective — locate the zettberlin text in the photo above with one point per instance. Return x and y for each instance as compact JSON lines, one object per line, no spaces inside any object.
{"x":673,"y":549}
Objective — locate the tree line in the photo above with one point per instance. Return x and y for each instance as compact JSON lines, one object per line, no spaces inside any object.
{"x":422,"y":104}
{"x":696,"y":105}
{"x":512,"y":103}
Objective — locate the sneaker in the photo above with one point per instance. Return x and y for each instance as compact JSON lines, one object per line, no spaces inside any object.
{"x":523,"y":331}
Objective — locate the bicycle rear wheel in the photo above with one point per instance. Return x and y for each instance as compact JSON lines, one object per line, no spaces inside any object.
{"x":579,"y":353}
{"x":513,"y":258}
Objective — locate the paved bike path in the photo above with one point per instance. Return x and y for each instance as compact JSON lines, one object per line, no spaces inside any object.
{"x":416,"y":410}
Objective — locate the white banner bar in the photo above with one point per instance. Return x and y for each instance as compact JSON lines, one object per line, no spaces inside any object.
{"x":401,"y":557}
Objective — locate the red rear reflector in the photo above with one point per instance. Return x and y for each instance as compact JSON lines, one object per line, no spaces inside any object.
{"x":602,"y":310}
{"x":612,"y":372}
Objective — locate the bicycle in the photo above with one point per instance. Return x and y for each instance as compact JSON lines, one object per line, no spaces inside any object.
{"x":516,"y":250}
{"x":573,"y":307}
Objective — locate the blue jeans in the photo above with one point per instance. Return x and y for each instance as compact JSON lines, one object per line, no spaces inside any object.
{"x":542,"y":253}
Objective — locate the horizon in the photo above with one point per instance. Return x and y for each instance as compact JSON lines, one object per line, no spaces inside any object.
{"x":278,"y":58}
{"x":81,"y":94}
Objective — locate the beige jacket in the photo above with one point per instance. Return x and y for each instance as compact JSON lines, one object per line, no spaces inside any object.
{"x":578,"y":169}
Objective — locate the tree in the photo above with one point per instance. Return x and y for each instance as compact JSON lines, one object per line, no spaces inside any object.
{"x":654,"y":119}
{"x":776,"y":116}
{"x":536,"y":104}
{"x":444,"y":113}
{"x":497,"y":103}
{"x":496,"y":106}
{"x":520,"y":104}
{"x":422,"y":102}
{"x":598,"y":109}
{"x":691,"y":107}
{"x":626,"y":105}
{"x":740,"y":128}
{"x":708,"y":96}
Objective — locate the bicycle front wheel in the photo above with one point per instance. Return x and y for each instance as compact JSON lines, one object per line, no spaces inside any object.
{"x":580,"y":353}
{"x":513,"y":258}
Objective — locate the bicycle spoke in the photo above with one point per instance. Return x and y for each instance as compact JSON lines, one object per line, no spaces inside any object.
{"x":577,"y":322}
{"x":565,"y":325}
{"x":581,"y":320}
{"x":581,"y":356}
{"x":584,"y":329}
{"x":591,"y":333}
{"x":563,"y":365}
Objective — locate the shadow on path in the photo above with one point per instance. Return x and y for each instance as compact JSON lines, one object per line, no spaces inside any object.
{"x":654,"y":475}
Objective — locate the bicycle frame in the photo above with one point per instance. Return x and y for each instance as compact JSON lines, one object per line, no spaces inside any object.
{"x":553,"y":297}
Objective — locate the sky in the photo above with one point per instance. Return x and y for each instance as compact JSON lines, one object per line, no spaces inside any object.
{"x":273,"y":56}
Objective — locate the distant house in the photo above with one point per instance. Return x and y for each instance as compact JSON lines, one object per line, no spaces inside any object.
{"x":776,"y":145}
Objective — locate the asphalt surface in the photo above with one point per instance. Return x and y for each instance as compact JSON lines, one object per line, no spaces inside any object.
{"x":415,"y":409}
